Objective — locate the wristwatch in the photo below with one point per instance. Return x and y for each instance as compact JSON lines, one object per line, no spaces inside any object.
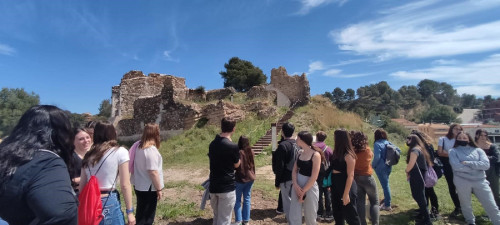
{"x":128,"y":211}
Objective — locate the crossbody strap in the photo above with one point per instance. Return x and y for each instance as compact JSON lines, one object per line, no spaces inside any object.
{"x":101,"y":164}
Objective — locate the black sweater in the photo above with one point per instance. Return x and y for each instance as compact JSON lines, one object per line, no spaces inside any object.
{"x":39,"y":192}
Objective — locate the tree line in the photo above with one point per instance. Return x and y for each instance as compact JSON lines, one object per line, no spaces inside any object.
{"x":428,"y":101}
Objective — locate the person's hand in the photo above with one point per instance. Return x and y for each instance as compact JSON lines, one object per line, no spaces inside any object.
{"x":346,"y":199}
{"x":328,"y":189}
{"x":159,"y":194}
{"x":407,"y":176}
{"x":464,"y":162}
{"x":277,"y":187}
{"x":131,"y":219}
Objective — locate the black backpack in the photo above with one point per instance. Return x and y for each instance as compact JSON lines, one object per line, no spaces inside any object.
{"x":295,"y":152}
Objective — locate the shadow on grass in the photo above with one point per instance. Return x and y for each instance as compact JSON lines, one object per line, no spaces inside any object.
{"x":197,"y":221}
{"x":266,"y":214}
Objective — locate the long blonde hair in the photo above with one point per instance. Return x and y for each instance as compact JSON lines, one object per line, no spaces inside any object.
{"x":150,"y":136}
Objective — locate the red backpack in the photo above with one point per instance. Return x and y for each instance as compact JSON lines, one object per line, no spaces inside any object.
{"x":90,"y":207}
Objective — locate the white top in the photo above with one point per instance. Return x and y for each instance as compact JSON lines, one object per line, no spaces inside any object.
{"x":107,"y":174}
{"x":446,"y":143}
{"x":145,"y":160}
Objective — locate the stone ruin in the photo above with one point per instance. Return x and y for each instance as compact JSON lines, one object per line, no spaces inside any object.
{"x":165,"y":100}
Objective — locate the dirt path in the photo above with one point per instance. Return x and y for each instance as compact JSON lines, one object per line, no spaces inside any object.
{"x":263,"y":207}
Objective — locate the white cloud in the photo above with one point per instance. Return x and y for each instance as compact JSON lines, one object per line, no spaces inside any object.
{"x":419,"y":30}
{"x":480,"y":73}
{"x":479,"y":90}
{"x":445,"y":62}
{"x":315,"y":66}
{"x":6,"y":50}
{"x":167,"y":55}
{"x":307,"y":5}
{"x":332,"y":72}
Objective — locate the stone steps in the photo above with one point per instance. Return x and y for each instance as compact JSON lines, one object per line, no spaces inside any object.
{"x":266,"y":140}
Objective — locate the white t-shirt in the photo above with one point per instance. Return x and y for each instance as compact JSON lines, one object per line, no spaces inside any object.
{"x":107,"y":174}
{"x":446,"y":143}
{"x":145,"y":160}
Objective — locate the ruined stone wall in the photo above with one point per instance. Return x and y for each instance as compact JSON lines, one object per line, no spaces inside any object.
{"x":216,"y":111}
{"x":220,"y":93}
{"x":262,"y":93}
{"x":196,"y":95}
{"x":134,"y":85}
{"x":296,"y":88}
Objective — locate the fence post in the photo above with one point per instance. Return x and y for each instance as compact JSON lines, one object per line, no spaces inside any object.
{"x":273,"y":135}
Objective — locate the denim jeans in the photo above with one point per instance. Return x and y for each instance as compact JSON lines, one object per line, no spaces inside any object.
{"x":383,"y":172}
{"x":367,"y":186}
{"x":112,"y":212}
{"x":327,"y":203}
{"x":3,"y":222}
{"x":245,"y":190}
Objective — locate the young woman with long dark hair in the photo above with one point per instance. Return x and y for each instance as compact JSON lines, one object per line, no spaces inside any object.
{"x":107,"y":160}
{"x":344,"y":189}
{"x":366,"y":184}
{"x":446,"y":143}
{"x":305,"y":192}
{"x":469,"y":163}
{"x":382,"y":170}
{"x":35,"y":187}
{"x":418,"y":160}
{"x":148,"y":174}
{"x":491,"y":150}
{"x":430,"y":194}
{"x":245,"y":176}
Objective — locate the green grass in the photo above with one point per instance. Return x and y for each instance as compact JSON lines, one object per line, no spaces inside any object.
{"x":182,"y":208}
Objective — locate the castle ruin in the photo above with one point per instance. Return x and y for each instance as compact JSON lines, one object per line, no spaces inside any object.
{"x":165,"y":100}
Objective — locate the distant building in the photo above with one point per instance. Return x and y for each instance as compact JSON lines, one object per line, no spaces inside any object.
{"x":492,"y":111}
{"x":493,"y":131}
{"x":405,"y":123}
{"x":434,"y":130}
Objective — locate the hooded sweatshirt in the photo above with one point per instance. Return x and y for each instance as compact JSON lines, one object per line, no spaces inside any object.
{"x":469,"y":162}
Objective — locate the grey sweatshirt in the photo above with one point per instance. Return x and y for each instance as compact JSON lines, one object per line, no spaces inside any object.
{"x":468,"y":162}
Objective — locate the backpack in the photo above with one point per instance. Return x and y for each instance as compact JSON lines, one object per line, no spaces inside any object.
{"x":327,"y":180}
{"x":295,"y":149}
{"x":90,"y":207}
{"x":430,"y":178}
{"x":392,"y":154}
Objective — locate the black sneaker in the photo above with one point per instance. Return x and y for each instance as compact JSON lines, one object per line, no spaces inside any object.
{"x":456,"y":213}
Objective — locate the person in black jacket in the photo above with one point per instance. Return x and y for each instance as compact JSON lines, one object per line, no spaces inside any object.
{"x":35,"y":187}
{"x":283,"y":161}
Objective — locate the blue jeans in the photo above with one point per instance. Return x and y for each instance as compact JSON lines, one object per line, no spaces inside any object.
{"x":244,"y":189}
{"x":112,"y":212}
{"x":383,"y":172}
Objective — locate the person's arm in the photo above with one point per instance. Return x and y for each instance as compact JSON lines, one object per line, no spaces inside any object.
{"x":298,"y":189}
{"x":126,"y":189}
{"x":456,"y":164}
{"x":236,"y":165}
{"x":314,"y":173}
{"x":482,"y":164}
{"x":351,"y":162}
{"x":83,"y":180}
{"x":236,"y":157}
{"x":50,"y":195}
{"x":441,"y":151}
{"x":376,"y":155}
{"x":155,"y":177}
{"x":411,"y":162}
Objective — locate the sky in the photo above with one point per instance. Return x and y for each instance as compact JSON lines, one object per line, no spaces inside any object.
{"x":71,"y":53}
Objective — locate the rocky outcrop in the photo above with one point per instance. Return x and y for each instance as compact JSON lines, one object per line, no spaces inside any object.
{"x":295,"y":88}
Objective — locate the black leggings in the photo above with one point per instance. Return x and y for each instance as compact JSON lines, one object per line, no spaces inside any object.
{"x":146,"y":207}
{"x":418,"y":194}
{"x":448,"y":174}
{"x":343,"y":212}
{"x":431,"y":195}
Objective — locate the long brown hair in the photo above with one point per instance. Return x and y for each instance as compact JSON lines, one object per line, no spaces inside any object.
{"x":307,"y":138}
{"x":472,"y":143}
{"x":343,"y":145}
{"x":104,"y":139}
{"x":359,"y":141}
{"x":416,"y":142}
{"x":244,"y":145}
{"x":426,"y":140}
{"x":150,"y":136}
{"x":479,"y":132}
{"x":449,"y":135}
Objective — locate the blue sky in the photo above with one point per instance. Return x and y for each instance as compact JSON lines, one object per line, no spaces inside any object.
{"x":72,"y":52}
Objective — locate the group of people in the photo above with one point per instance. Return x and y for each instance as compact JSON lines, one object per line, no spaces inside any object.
{"x":316,"y":182}
{"x":46,"y":163}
